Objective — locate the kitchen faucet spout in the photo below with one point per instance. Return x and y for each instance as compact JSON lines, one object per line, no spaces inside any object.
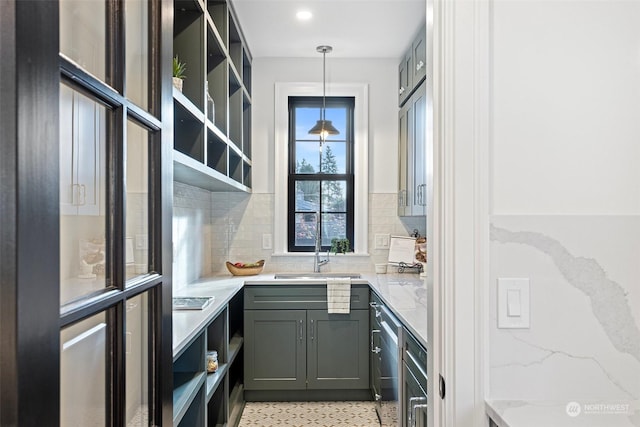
{"x":317,"y":262}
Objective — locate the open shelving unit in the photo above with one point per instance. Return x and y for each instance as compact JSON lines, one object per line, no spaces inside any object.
{"x":212,"y":146}
{"x":212,"y":399}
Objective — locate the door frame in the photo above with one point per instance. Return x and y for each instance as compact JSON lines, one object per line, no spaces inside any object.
{"x":458,"y":209}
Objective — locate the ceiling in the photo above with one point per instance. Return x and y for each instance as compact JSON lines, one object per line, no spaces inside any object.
{"x":355,"y":28}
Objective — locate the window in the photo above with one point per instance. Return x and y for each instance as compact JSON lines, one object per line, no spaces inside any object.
{"x":359,"y":93}
{"x":321,"y":173}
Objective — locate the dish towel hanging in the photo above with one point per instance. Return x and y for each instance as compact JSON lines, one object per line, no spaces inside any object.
{"x":339,"y":295}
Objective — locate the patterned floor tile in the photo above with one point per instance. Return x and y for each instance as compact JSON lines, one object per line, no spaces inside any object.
{"x":306,"y":414}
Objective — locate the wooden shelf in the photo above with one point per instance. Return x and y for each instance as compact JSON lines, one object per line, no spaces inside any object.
{"x":214,"y":380}
{"x":185,"y":388}
{"x":235,"y":344}
{"x":209,"y":40}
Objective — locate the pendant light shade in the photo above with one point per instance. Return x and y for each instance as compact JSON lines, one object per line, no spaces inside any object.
{"x":323,"y":127}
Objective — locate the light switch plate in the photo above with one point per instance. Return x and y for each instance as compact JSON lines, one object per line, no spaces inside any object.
{"x":267,"y":241}
{"x":513,"y":303}
{"x":381,"y":241}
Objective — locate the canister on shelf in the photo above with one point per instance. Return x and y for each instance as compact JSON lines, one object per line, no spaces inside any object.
{"x":212,"y":361}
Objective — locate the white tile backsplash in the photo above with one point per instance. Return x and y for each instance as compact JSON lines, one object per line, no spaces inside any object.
{"x":210,"y":228}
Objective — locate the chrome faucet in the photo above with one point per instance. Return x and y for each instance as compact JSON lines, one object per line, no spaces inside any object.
{"x":317,"y":262}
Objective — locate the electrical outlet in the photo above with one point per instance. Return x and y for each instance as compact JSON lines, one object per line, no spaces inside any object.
{"x":381,"y":241}
{"x":266,"y":241}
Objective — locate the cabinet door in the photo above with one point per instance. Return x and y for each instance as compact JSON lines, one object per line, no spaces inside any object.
{"x":82,"y":145}
{"x":90,"y":140}
{"x":405,"y":75}
{"x":68,"y":191}
{"x":338,"y":350}
{"x":418,"y":153}
{"x":275,"y":349}
{"x":419,"y":51}
{"x":403,"y":157}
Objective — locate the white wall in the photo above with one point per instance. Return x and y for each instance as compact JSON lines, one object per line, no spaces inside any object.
{"x":565,"y":199}
{"x":380,"y":74}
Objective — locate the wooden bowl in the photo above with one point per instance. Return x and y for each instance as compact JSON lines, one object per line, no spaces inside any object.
{"x":245,"y":271}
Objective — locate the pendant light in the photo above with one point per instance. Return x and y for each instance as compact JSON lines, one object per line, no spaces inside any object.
{"x":323,"y":127}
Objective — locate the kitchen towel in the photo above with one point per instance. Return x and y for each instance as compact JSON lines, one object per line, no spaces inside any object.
{"x":338,"y":295}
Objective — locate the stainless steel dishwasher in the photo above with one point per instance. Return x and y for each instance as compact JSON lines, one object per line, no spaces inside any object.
{"x":414,"y":383}
{"x":386,"y":367}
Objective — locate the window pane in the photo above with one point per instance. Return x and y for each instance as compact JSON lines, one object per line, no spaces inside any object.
{"x":334,"y":157}
{"x":137,"y":214}
{"x":334,"y":226}
{"x":137,"y":363}
{"x":82,"y":34}
{"x":306,"y":118}
{"x":137,"y":51}
{"x":307,"y":156}
{"x":334,"y":196}
{"x":305,"y":226}
{"x":338,"y":117}
{"x":307,"y":196}
{"x":82,"y":195}
{"x":83,"y":373}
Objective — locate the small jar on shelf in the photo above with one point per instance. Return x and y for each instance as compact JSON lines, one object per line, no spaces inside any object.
{"x":212,"y":361}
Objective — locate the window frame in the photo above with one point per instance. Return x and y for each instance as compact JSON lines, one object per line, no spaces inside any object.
{"x":347,"y":103}
{"x":360,"y":93}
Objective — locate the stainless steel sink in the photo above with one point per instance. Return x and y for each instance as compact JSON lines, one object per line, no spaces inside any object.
{"x":315,"y":276}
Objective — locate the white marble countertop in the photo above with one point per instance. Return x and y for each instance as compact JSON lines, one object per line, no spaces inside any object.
{"x":519,"y":413}
{"x":405,"y":294}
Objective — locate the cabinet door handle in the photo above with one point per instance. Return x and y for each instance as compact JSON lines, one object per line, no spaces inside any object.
{"x":313,"y":334}
{"x":419,"y":65}
{"x":301,"y":331}
{"x":83,"y":191}
{"x":413,"y":411}
{"x":376,"y":349}
{"x":424,"y":194}
{"x":375,"y":306}
{"x":75,"y":194}
{"x":401,"y":91}
{"x":405,"y":198}
{"x":413,"y":403}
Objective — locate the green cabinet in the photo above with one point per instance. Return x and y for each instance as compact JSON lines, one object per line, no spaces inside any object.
{"x":412,"y":143}
{"x":337,"y":350}
{"x":293,"y":343}
{"x":413,"y":67}
{"x":275,"y":349}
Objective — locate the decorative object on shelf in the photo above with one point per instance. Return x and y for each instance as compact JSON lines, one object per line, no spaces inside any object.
{"x":242,"y":269}
{"x":92,"y":258}
{"x":340,"y":246}
{"x":323,"y":127}
{"x":403,"y":267}
{"x":179,"y":69}
{"x":212,"y":361}
{"x":210,"y":104}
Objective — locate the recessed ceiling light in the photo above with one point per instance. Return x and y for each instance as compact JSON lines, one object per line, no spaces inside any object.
{"x":304,"y":15}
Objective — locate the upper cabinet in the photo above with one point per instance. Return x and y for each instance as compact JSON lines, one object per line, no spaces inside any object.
{"x":212,"y":112}
{"x":412,"y":68}
{"x":412,"y":122}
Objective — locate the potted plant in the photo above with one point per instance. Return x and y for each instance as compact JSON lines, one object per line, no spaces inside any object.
{"x":179,"y":69}
{"x":340,"y":246}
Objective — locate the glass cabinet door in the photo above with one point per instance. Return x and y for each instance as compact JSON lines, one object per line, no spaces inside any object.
{"x":82,"y":195}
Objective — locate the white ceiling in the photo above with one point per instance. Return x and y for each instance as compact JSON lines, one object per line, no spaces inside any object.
{"x":355,"y":28}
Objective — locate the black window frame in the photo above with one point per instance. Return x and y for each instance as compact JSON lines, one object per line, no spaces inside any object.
{"x":293,"y":177}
